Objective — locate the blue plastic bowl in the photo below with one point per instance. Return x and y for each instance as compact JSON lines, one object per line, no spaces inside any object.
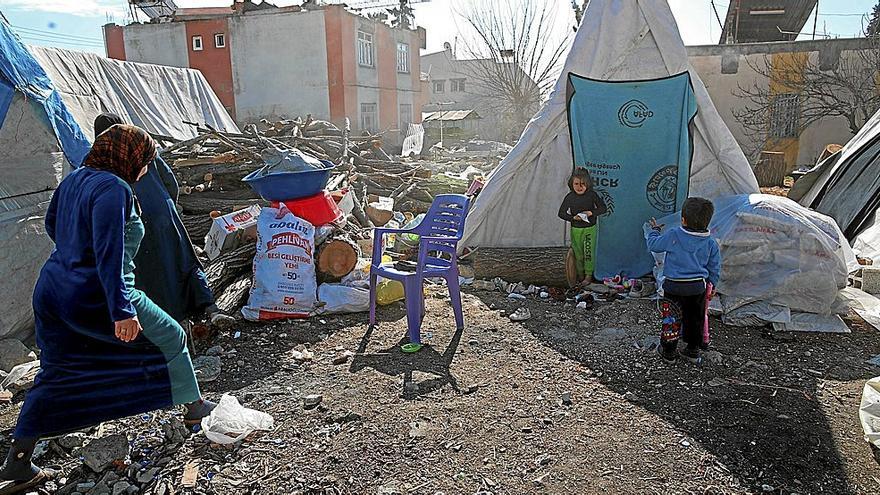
{"x":286,"y":186}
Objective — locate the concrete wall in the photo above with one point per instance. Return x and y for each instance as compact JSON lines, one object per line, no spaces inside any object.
{"x":160,"y":44}
{"x":724,"y":68}
{"x":279,"y":66}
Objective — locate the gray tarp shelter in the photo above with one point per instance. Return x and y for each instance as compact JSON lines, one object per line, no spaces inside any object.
{"x":48,"y":101}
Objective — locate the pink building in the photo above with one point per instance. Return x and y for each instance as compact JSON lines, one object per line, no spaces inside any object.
{"x":271,"y":62}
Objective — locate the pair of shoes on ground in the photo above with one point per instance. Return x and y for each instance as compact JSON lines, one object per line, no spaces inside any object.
{"x":692,"y":355}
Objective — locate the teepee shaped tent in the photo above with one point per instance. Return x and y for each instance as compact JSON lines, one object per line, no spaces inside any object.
{"x":619,"y":40}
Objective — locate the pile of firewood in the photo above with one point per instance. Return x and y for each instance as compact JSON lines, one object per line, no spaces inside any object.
{"x":210,"y":168}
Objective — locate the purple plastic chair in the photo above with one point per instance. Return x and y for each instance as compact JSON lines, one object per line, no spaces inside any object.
{"x":439,"y":233}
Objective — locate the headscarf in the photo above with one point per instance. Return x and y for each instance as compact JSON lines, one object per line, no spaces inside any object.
{"x":123,"y":150}
{"x":105,"y":121}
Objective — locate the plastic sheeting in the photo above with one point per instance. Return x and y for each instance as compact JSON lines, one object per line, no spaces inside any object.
{"x":155,"y":97}
{"x":20,"y":71}
{"x":618,"y":40}
{"x":869,"y":411}
{"x":777,"y":258}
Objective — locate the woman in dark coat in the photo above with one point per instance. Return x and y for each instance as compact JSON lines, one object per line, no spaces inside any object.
{"x":169,"y":271}
{"x":107,"y":351}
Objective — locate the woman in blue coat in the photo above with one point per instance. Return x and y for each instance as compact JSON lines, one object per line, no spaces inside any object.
{"x":107,"y":351}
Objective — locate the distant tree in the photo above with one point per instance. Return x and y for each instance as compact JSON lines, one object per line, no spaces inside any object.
{"x":404,"y":15}
{"x":516,"y":50}
{"x":579,"y":7}
{"x":873,"y":28}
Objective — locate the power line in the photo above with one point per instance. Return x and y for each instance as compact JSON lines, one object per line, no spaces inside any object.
{"x":55,"y":34}
{"x":60,"y":42}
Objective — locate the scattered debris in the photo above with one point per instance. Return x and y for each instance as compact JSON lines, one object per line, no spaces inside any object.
{"x":207,"y":368}
{"x":102,"y":452}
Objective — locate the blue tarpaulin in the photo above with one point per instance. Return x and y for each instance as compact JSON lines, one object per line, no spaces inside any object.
{"x":19,"y":71}
{"x":634,"y":138}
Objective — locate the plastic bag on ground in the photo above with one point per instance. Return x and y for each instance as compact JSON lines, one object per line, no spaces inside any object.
{"x":231,"y":422}
{"x":389,"y":291}
{"x":777,"y":252}
{"x":339,"y":298}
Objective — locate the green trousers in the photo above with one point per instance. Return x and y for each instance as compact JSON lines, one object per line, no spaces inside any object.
{"x":583,"y":243}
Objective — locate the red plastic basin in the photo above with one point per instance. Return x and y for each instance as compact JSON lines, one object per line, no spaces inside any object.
{"x":318,"y":210}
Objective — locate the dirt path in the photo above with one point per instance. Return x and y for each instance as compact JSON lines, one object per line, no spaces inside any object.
{"x":486,"y":410}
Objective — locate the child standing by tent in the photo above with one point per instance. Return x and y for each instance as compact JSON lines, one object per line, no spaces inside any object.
{"x":693,"y":261}
{"x":582,"y":207}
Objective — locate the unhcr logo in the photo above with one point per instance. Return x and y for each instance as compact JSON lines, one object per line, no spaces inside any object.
{"x":634,"y":113}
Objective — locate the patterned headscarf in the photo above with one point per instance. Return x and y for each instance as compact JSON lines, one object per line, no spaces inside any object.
{"x":105,"y":121}
{"x":123,"y":150}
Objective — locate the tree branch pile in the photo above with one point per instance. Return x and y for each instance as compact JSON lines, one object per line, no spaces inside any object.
{"x":210,"y":166}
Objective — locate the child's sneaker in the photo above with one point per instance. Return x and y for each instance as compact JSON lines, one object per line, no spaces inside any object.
{"x":668,"y":357}
{"x":691,"y":354}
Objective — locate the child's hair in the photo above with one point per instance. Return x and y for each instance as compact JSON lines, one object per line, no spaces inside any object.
{"x":582,"y":174}
{"x":697,"y":212}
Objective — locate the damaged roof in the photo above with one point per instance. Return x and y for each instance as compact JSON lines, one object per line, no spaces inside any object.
{"x":450,"y":115}
{"x":757,"y":21}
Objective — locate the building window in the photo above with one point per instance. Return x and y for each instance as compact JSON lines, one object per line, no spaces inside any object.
{"x":197,"y":44}
{"x":365,"y":49}
{"x":369,"y":117}
{"x":402,"y":57}
{"x":439,"y":86}
{"x":405,"y":115}
{"x":456,"y":85}
{"x":220,"y":40}
{"x":785,"y":115}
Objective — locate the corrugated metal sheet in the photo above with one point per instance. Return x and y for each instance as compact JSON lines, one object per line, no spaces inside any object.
{"x":450,"y":115}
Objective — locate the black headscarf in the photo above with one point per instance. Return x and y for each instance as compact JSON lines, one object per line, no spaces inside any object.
{"x":106,"y":121}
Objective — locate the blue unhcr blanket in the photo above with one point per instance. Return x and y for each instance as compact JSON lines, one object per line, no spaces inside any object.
{"x":634,"y":137}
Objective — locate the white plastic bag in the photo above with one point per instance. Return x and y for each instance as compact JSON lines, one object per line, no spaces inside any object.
{"x":338,"y":298}
{"x":284,"y":268}
{"x":231,"y":422}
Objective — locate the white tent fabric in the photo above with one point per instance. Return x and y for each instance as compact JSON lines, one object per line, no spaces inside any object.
{"x":31,"y":166}
{"x":618,"y":40}
{"x":155,"y":97}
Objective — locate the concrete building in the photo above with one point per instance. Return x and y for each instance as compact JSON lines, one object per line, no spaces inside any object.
{"x":270,"y":62}
{"x":725,"y":68}
{"x":452,"y":85}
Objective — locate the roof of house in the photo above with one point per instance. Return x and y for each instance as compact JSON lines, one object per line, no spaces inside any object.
{"x":759,"y":21}
{"x":450,"y":115}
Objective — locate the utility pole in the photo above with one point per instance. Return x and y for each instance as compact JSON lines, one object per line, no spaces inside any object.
{"x":815,"y":19}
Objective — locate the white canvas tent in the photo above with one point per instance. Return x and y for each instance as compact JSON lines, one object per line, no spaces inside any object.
{"x":48,"y":101}
{"x":618,"y":40}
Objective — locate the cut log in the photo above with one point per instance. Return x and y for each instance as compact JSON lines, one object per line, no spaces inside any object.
{"x":336,"y":258}
{"x":539,"y":266}
{"x":233,"y":296}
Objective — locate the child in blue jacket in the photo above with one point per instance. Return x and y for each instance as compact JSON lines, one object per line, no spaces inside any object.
{"x":692,"y":260}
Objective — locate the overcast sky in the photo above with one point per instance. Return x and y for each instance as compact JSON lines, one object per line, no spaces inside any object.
{"x":76,"y":24}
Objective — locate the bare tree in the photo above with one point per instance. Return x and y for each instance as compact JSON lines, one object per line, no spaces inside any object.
{"x":803,"y":90}
{"x":516,"y":49}
{"x":579,"y":7}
